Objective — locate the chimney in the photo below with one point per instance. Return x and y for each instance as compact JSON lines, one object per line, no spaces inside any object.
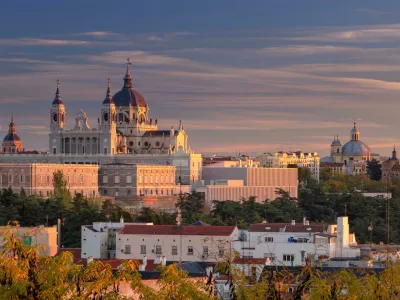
{"x":59,"y":233}
{"x":293,"y":222}
{"x":304,"y":221}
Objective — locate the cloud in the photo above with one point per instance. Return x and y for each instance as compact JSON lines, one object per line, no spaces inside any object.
{"x":155,"y":38}
{"x":304,"y":50}
{"x":100,"y":34}
{"x":355,"y":34}
{"x":42,"y":42}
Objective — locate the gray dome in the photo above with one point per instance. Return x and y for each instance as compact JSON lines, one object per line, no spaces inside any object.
{"x":356,"y":148}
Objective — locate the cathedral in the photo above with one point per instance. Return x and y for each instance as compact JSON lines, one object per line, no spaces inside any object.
{"x":353,"y":154}
{"x":124,"y":127}
{"x":124,"y":134}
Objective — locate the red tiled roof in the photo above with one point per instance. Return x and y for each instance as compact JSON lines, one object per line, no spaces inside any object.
{"x":249,"y":261}
{"x":75,"y":251}
{"x":175,"y":230}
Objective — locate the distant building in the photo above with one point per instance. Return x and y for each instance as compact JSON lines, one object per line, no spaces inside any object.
{"x":41,"y":237}
{"x":284,"y":159}
{"x":391,"y":167}
{"x":236,"y":183}
{"x":175,"y":243}
{"x":354,"y":154}
{"x":37,"y":178}
{"x":12,"y":143}
{"x":335,"y":168}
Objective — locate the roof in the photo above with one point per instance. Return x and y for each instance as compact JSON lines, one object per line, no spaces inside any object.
{"x":249,"y":261}
{"x":267,"y":227}
{"x":285,"y":227}
{"x":200,"y":223}
{"x":129,"y":96}
{"x":331,"y":164}
{"x":11,"y":137}
{"x":178,"y":230}
{"x":356,"y":148}
{"x":159,"y":132}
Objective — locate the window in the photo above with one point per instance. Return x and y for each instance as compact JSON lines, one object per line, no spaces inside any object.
{"x":127,"y":249}
{"x":10,"y":178}
{"x":288,"y":257}
{"x":47,"y":179}
{"x":205,"y":251}
{"x":151,"y":179}
{"x":117,"y":179}
{"x":81,"y":179}
{"x":269,"y":239}
{"x":129,"y":179}
{"x":140,"y":178}
{"x":174,"y":250}
{"x":220,"y":251}
{"x":21,"y":179}
{"x":105,"y":179}
{"x":68,"y":179}
{"x":145,"y":179}
{"x":105,"y":150}
{"x":142,"y":249}
{"x":158,"y":249}
{"x":190,"y":250}
{"x":271,"y":256}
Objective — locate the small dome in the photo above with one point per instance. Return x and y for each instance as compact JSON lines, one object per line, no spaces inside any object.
{"x":356,"y":148}
{"x":11,"y":137}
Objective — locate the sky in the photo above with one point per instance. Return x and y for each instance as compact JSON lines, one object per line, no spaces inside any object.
{"x":243,"y":76}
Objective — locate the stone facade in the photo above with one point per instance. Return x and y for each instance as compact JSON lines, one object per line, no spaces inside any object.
{"x":137,"y":180}
{"x":283,"y":159}
{"x":37,"y":178}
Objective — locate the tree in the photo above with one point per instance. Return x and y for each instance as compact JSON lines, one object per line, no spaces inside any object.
{"x":374,"y":170}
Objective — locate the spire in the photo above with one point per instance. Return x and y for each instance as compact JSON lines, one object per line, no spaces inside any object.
{"x":12,"y":128}
{"x":58,"y":99}
{"x":394,"y":153}
{"x":108,"y":98}
{"x":128,"y":77}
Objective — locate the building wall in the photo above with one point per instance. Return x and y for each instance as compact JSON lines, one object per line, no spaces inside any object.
{"x":37,"y":178}
{"x":43,"y":238}
{"x":221,"y":193}
{"x":94,"y":243}
{"x":283,"y":159}
{"x":124,"y":180}
{"x":181,"y":242}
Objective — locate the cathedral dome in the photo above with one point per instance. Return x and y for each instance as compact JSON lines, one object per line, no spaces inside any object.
{"x":356,"y":148}
{"x":11,"y":137}
{"x":128,"y":95}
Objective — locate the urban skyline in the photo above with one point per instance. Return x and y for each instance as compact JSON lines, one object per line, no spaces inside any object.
{"x":287,"y":82}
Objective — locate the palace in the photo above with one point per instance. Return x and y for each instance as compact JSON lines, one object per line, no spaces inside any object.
{"x":124,"y":135}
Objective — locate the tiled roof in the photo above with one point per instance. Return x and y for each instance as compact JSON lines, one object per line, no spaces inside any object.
{"x":331,"y":164}
{"x":249,"y":261}
{"x":267,"y":227}
{"x":176,"y":230}
{"x":305,"y":228}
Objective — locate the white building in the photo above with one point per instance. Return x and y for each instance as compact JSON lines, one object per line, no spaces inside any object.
{"x":283,"y":159}
{"x":99,"y":240}
{"x":290,"y":244}
{"x":175,"y":243}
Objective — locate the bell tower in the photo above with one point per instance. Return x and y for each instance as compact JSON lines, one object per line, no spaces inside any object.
{"x":108,"y":126}
{"x":57,"y":122}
